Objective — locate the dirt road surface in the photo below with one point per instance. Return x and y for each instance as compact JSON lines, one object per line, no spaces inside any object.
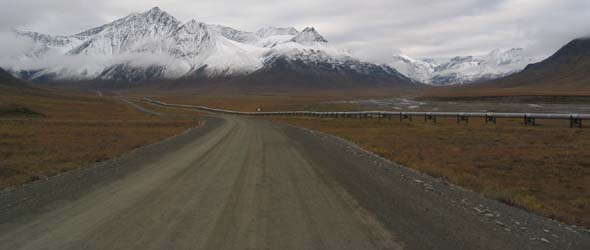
{"x":241,"y":183}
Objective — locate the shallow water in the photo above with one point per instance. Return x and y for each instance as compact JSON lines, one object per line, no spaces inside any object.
{"x":408,"y":104}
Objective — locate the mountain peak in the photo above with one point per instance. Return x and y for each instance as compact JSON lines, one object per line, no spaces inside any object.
{"x":404,"y":58}
{"x":156,"y":13}
{"x":496,"y":52}
{"x":155,"y":10}
{"x":309,"y":36}
{"x":309,"y":29}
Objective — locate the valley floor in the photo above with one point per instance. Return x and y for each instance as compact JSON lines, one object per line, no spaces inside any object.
{"x":244,"y":183}
{"x":544,"y":169}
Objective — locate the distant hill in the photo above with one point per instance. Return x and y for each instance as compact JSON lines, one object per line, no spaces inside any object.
{"x":11,"y":84}
{"x":7,"y":79}
{"x":569,"y":66}
{"x":567,"y":72}
{"x":11,"y":87}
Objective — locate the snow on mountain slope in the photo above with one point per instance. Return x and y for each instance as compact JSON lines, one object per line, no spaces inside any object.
{"x":233,"y":58}
{"x":419,"y":70}
{"x":42,"y":44}
{"x":274,"y":31}
{"x":461,"y":70}
{"x":273,"y":41}
{"x":309,"y":36}
{"x":155,"y":45}
{"x":129,"y":34}
{"x":233,"y":34}
{"x":271,"y":36}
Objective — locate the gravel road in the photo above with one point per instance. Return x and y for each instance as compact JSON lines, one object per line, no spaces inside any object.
{"x":241,"y":183}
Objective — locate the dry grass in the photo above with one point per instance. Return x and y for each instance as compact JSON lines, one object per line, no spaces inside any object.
{"x":73,"y":130}
{"x":545,"y":169}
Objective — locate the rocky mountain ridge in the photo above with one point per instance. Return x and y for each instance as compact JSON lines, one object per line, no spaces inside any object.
{"x":154,"y":45}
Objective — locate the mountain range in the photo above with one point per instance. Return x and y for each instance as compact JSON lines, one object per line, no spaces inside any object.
{"x":567,"y":71}
{"x":153,"y":46}
{"x":462,"y":69}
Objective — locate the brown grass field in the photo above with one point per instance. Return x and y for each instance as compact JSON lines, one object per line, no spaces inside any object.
{"x":544,"y":169}
{"x":43,"y":133}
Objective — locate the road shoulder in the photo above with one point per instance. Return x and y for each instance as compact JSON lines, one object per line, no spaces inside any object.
{"x":407,"y":202}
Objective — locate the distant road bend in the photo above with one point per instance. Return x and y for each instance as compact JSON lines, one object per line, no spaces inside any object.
{"x":241,"y":183}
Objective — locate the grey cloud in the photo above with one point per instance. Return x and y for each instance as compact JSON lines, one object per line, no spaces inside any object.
{"x":372,"y":30}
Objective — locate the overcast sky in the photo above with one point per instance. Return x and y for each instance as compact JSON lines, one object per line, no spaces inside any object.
{"x":373,"y":30}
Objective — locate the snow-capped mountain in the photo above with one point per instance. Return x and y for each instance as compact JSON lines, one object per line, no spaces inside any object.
{"x":309,"y":36}
{"x":155,"y":45}
{"x":462,"y":69}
